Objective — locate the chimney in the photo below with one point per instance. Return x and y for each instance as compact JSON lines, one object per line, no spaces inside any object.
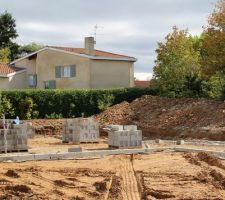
{"x":89,"y":45}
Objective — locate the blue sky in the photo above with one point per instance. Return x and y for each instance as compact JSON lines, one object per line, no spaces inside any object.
{"x":131,"y":27}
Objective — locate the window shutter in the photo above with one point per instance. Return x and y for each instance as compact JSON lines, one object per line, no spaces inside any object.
{"x":52,"y":84}
{"x":72,"y":70}
{"x":58,"y":72}
{"x":35,"y":80}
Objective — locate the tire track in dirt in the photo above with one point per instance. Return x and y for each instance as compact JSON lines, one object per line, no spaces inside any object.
{"x":208,"y":174}
{"x":129,"y":181}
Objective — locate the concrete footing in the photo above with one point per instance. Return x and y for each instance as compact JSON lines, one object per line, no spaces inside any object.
{"x":94,"y":153}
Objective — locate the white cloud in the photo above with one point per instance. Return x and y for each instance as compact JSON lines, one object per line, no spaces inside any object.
{"x":143,"y":76}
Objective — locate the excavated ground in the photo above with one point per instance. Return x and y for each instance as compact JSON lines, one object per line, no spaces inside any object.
{"x":159,"y":117}
{"x":164,"y":175}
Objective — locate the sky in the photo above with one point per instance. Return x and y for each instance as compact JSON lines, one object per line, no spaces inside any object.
{"x":130,"y":27}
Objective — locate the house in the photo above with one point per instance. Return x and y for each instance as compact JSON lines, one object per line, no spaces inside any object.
{"x":65,"y":67}
{"x":141,"y":84}
{"x":12,"y":77}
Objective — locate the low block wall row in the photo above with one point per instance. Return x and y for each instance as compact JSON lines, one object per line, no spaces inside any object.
{"x":86,"y":154}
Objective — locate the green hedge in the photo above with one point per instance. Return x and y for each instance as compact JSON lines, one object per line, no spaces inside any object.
{"x":67,"y":103}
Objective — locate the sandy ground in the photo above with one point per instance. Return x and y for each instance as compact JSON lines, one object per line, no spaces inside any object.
{"x":50,"y":144}
{"x":204,"y":147}
{"x":163,"y":175}
{"x":172,"y":176}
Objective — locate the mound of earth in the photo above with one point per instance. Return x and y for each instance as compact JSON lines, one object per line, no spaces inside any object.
{"x":169,"y":117}
{"x":158,"y":117}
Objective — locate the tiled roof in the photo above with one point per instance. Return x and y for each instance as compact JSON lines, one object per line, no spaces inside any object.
{"x":141,"y":84}
{"x":97,"y":53}
{"x":8,"y":69}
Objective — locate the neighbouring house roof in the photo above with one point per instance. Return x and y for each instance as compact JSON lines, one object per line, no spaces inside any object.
{"x":98,"y":54}
{"x":7,"y":70}
{"x":141,"y":84}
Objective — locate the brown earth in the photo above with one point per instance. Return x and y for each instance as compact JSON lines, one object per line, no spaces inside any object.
{"x":170,"y":118}
{"x":159,"y":117}
{"x":53,"y":144}
{"x":162,"y":175}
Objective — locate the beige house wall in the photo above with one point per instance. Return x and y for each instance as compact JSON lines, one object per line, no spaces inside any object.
{"x":90,"y":73}
{"x":47,"y":61}
{"x":4,"y":83}
{"x":111,"y":74}
{"x":18,"y":81}
{"x":29,"y":65}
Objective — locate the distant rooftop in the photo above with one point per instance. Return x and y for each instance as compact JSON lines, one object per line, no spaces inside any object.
{"x":6,"y":69}
{"x":97,"y":53}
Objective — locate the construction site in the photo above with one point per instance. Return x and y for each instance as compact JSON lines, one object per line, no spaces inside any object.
{"x":151,"y":148}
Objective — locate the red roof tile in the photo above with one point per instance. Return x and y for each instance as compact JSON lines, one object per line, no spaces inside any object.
{"x":141,"y":84}
{"x":8,"y":69}
{"x":97,"y":53}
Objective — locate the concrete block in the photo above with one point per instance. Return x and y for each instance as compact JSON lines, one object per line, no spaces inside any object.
{"x":124,"y":137}
{"x":130,"y":127}
{"x":180,"y":142}
{"x":158,"y":141}
{"x":81,"y":130}
{"x":75,"y":149}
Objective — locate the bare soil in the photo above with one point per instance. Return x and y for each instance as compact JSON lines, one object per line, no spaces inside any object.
{"x":53,"y":144}
{"x":162,"y":175}
{"x":158,"y":117}
{"x":161,"y":117}
{"x":176,"y":176}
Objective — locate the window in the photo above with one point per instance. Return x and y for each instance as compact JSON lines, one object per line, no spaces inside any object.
{"x":50,"y":84}
{"x":32,"y":80}
{"x":65,"y":71}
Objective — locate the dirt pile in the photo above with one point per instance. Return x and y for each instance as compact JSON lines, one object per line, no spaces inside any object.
{"x":210,"y":159}
{"x":118,"y":114}
{"x":12,"y":173}
{"x":158,"y":117}
{"x":169,"y":117}
{"x":47,"y":126}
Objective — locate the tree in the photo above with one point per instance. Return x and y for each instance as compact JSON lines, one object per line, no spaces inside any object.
{"x":213,"y":47}
{"x":29,"y":48}
{"x":177,"y":63}
{"x":8,"y":34}
{"x":197,"y":42}
{"x":4,"y":55}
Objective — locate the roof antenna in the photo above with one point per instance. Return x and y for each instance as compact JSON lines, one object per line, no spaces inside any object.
{"x":96,"y":27}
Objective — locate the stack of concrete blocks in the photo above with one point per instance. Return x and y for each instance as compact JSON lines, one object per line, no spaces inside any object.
{"x":16,"y":138}
{"x":124,"y":136}
{"x":81,"y":130}
{"x":30,"y":130}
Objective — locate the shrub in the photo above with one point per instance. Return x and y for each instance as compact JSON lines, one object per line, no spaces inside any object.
{"x":6,"y":107}
{"x":27,"y":108}
{"x":69,"y":103}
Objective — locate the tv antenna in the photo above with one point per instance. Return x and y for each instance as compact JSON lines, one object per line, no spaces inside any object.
{"x":96,"y":27}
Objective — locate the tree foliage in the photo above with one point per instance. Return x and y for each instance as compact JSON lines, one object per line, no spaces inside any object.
{"x":4,"y":55}
{"x":177,"y":63}
{"x":213,"y":47}
{"x":8,"y":33}
{"x":30,"y":48}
